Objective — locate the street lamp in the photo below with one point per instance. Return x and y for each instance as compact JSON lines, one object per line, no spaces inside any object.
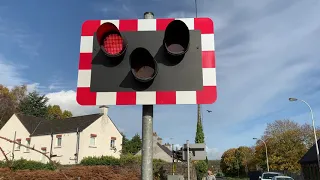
{"x":265,"y":145}
{"x":313,"y":125}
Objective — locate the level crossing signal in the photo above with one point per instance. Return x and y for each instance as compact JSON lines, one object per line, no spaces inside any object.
{"x":147,"y":61}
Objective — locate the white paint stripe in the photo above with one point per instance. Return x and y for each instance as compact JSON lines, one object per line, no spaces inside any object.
{"x":207,"y":42}
{"x":188,"y":21}
{"x":115,"y":22}
{"x":146,"y":97}
{"x":106,"y":98}
{"x":147,"y":24}
{"x":186,"y":97}
{"x":84,"y":78}
{"x":209,"y":76}
{"x":86,"y":43}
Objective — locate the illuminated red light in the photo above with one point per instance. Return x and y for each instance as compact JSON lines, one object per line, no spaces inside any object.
{"x":113,"y":44}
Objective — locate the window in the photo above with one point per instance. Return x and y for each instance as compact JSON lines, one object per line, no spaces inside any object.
{"x":93,"y":139}
{"x":113,"y":142}
{"x":28,"y":144}
{"x":59,"y":140}
{"x":18,"y":146}
{"x":42,"y":157}
{"x":269,"y":175}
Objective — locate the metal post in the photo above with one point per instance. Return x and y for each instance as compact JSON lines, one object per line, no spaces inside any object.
{"x":147,"y":142}
{"x":188,"y":159}
{"x":13,"y":145}
{"x":172,"y":159}
{"x":77,"y":146}
{"x":51,"y":144}
{"x":314,"y":132}
{"x":147,"y":134}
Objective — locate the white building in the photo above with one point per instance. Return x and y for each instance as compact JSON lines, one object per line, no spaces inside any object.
{"x":160,"y":151}
{"x":67,"y":140}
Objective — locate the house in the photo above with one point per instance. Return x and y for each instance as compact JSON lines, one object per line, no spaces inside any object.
{"x":68,"y":141}
{"x":160,"y":151}
{"x":309,"y":164}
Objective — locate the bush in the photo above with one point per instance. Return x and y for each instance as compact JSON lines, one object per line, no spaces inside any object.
{"x":31,"y":165}
{"x":3,"y":164}
{"x":201,"y":169}
{"x":112,"y":161}
{"x":219,"y":174}
{"x":130,"y":159}
{"x":102,"y":160}
{"x":23,"y":164}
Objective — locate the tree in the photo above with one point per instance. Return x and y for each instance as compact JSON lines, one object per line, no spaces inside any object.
{"x":237,"y":161}
{"x":199,"y":133}
{"x":54,"y":112}
{"x":10,"y":100}
{"x":228,"y":162}
{"x":308,"y":135}
{"x":286,"y":142}
{"x":66,"y":114}
{"x":131,"y":146}
{"x":199,"y":165}
{"x":201,"y":169}
{"x":34,"y":105}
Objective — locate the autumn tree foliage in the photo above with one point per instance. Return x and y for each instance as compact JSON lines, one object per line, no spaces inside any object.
{"x":55,"y":112}
{"x":18,"y":100}
{"x":237,"y":161}
{"x":286,"y":142}
{"x":10,"y":100}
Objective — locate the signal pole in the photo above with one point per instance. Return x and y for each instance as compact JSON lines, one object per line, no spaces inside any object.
{"x":147,"y":134}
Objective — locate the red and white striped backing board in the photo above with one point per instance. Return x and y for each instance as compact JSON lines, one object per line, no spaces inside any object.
{"x":207,"y":95}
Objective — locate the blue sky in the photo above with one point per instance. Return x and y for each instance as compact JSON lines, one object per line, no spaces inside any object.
{"x":266,"y":51}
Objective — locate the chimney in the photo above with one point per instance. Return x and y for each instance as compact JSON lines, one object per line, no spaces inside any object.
{"x":104,"y":110}
{"x":168,"y":146}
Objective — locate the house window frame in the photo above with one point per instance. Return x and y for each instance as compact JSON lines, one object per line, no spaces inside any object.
{"x":113,"y":142}
{"x":58,"y":140}
{"x":93,"y":141}
{"x":28,"y":143}
{"x":18,"y":146}
{"x":43,"y":157}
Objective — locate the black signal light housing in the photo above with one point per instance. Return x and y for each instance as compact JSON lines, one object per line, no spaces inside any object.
{"x":176,"y":39}
{"x":144,"y":67}
{"x":111,"y":41}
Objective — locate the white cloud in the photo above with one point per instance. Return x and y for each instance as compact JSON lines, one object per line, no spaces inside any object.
{"x":213,"y":153}
{"x":9,"y":73}
{"x":67,"y":101}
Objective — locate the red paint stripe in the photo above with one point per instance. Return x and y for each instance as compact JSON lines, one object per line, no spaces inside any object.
{"x":167,"y":97}
{"x":205,"y":25}
{"x":89,"y":27}
{"x":161,"y":24}
{"x":126,"y":98}
{"x":208,"y":59}
{"x":207,"y":95}
{"x":128,"y":25}
{"x":85,"y":96}
{"x":85,"y":61}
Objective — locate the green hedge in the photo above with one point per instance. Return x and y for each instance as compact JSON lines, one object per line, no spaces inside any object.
{"x":23,"y":164}
{"x":112,"y":161}
{"x":124,"y":160}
